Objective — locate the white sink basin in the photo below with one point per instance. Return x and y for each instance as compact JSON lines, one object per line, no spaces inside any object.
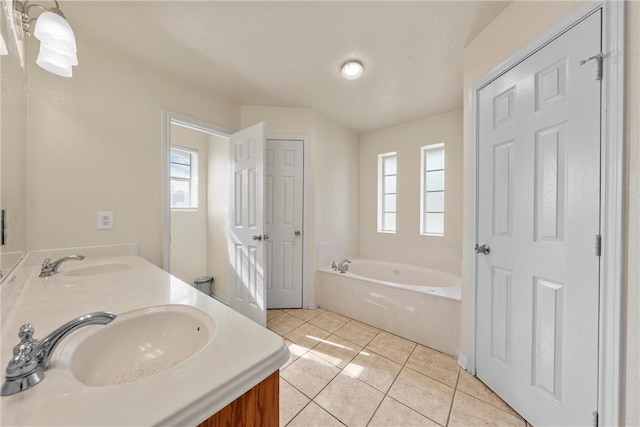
{"x":138,"y":344}
{"x":97,"y":269}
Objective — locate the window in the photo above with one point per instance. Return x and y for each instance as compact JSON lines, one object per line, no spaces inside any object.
{"x":387,"y":192}
{"x":432,"y":190}
{"x":184,"y":178}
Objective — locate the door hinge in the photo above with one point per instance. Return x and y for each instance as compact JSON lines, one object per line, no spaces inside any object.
{"x":599,"y":58}
{"x":595,"y":418}
{"x":598,"y":244}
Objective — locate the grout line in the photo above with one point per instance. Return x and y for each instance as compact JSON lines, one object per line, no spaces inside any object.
{"x":453,"y":398}
{"x":364,"y":348}
{"x":303,"y":406}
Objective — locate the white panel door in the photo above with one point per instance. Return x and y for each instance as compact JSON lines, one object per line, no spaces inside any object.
{"x":246,"y":228}
{"x":538,"y":193}
{"x":283,"y":221}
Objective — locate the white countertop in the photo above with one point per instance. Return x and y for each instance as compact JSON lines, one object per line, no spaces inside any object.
{"x":240,"y":355}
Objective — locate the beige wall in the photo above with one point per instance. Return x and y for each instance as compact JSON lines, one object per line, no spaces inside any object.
{"x":94,"y":143}
{"x":518,"y":24}
{"x":336,"y":159}
{"x":333,"y":163}
{"x":13,"y":137}
{"x":407,"y":244}
{"x":218,"y":213}
{"x":189,"y":226}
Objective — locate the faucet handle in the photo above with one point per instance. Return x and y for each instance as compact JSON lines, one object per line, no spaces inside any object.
{"x":23,"y":360}
{"x":25,"y":333}
{"x":333,"y":264}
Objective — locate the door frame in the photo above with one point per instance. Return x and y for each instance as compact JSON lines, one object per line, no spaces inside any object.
{"x":611,"y":198}
{"x":306,"y":242}
{"x":169,"y":117}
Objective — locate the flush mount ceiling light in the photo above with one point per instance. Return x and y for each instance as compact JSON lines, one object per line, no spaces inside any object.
{"x":58,"y":49}
{"x":352,"y":69}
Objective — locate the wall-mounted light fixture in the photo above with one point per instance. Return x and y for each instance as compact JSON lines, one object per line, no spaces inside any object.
{"x":58,"y":50}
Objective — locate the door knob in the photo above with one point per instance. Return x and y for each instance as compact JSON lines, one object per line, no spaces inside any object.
{"x":484,"y":249}
{"x":297,"y":233}
{"x":257,"y":237}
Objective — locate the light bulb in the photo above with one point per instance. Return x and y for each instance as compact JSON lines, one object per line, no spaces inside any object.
{"x":352,"y":69}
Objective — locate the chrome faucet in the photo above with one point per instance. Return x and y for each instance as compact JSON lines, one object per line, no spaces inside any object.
{"x":50,"y":268}
{"x":342,"y":266}
{"x":31,"y":356}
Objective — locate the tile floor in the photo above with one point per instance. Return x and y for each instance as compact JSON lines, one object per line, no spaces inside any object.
{"x":343,"y":372}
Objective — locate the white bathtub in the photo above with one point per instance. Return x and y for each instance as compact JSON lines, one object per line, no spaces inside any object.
{"x":417,"y":303}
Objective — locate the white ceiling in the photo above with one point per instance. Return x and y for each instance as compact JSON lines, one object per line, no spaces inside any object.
{"x":289,"y":53}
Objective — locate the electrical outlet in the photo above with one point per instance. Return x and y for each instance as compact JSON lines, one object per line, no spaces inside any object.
{"x":105,"y":220}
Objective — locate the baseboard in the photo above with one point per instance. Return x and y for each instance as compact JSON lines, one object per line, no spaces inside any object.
{"x":462,"y":361}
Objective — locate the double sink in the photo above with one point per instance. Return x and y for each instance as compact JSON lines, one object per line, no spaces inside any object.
{"x":173,"y":355}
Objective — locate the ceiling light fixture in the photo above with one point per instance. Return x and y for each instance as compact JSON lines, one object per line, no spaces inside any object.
{"x":58,"y":49}
{"x":352,"y":69}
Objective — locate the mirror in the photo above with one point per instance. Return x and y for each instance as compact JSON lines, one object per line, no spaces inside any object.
{"x":13,"y":142}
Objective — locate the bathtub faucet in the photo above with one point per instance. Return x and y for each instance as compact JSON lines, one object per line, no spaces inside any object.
{"x":342,"y":266}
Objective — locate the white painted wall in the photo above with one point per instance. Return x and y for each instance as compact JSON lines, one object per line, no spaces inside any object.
{"x":13,"y":138}
{"x":518,"y":24}
{"x":189,"y":226}
{"x":218,"y":214}
{"x":333,"y":163}
{"x":337,"y":183}
{"x":407,"y":245}
{"x":94,"y":144}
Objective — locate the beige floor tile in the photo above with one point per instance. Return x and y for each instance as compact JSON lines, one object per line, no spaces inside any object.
{"x":309,"y":374}
{"x":434,"y":364}
{"x":392,"y":347}
{"x":314,"y":416}
{"x":429,"y":397}
{"x":336,"y":350}
{"x":284,"y":324}
{"x":307,"y":335}
{"x":305,"y":314}
{"x":374,"y":369}
{"x":357,"y":333}
{"x":392,"y":413}
{"x":469,"y":411}
{"x":272,"y":314}
{"x":329,"y":321}
{"x":291,"y":402}
{"x":295,"y":351}
{"x":473,"y":386}
{"x":349,"y":400}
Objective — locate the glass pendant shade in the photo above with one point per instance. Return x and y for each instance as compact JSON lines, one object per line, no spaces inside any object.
{"x":54,"y":62}
{"x":61,"y":70}
{"x":68,"y":58}
{"x":56,"y":32}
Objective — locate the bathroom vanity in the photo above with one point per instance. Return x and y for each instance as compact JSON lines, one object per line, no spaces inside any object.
{"x":173,"y":356}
